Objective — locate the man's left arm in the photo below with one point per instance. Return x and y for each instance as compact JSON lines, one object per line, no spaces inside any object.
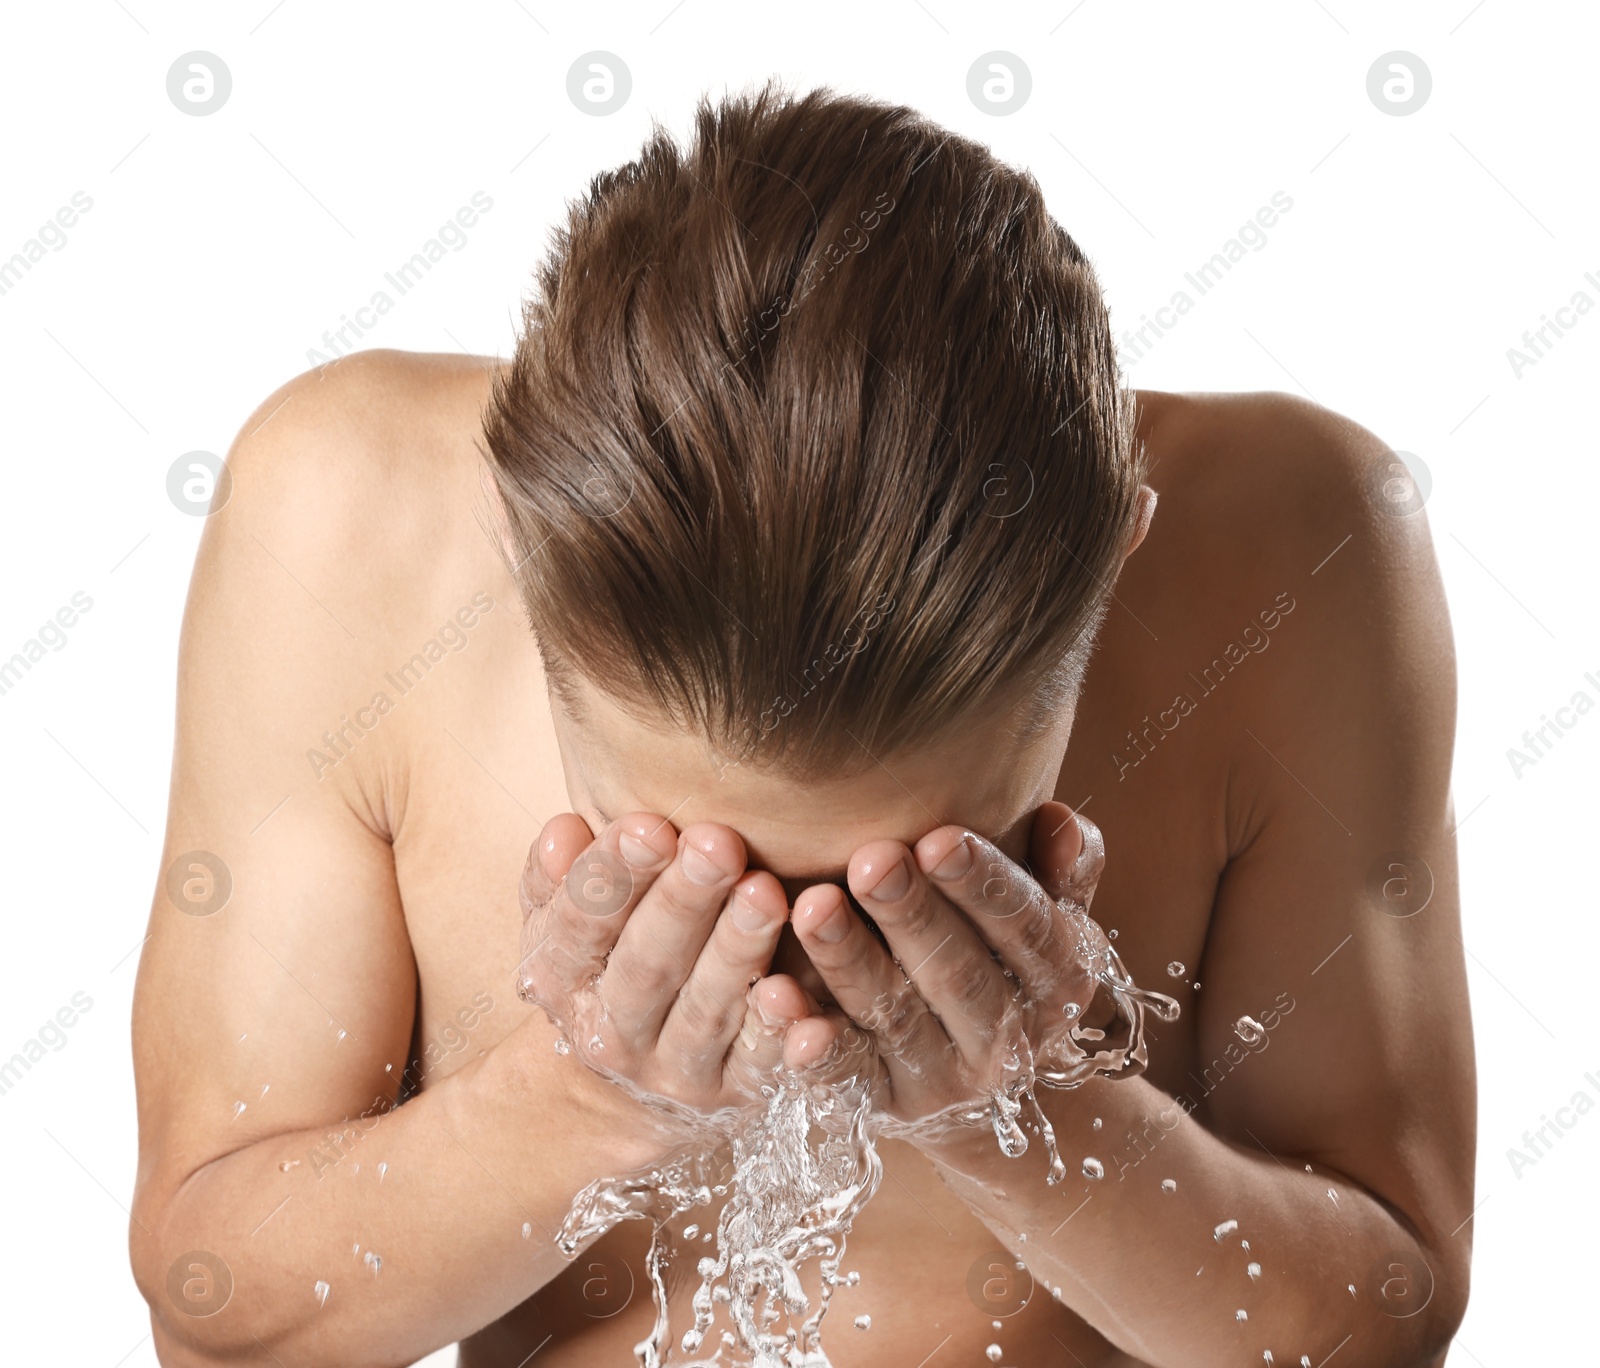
{"x":1322,"y":1195}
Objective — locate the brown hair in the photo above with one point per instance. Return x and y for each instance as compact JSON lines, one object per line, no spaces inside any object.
{"x":813,"y":441}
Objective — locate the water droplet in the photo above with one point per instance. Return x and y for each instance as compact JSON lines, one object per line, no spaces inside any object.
{"x":706,"y":1239}
{"x":374,"y":1262}
{"x":1254,"y":1270}
{"x":1097,"y":1123}
{"x":1266,"y":1357}
{"x":1169,"y":1185}
{"x":1308,"y":1170}
{"x":1305,"y":1361}
{"x":527,"y":1229}
{"x":388,"y":1068}
{"x":382,"y":1169}
{"x":1245,"y":1245}
{"x":1333,"y":1197}
{"x":1111,"y":934}
{"x":1249,"y":1030}
{"x":355,"y":1249}
{"x":994,"y":1325}
{"x":992,"y":1353}
{"x":1023,"y":1236}
{"x":242,"y":1035}
{"x":1226,"y":1228}
{"x":1241,"y":1314}
{"x":238,"y":1110}
{"x":596,"y":1044}
{"x":1093,"y":1168}
{"x":1195,"y":985}
{"x":563,"y":1045}
{"x":264,"y":1088}
{"x":1176,"y":969}
{"x":1350,"y":1288}
{"x":320,"y":1291}
{"x":690,"y":1231}
{"x":863,"y":1322}
{"x":342,"y":1034}
{"x":851,"y":1279}
{"x":1071,"y":1011}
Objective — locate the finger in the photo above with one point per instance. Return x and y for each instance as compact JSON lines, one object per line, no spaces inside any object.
{"x":867,"y":984}
{"x":943,"y":956}
{"x":711,"y":1006}
{"x":1067,"y":853}
{"x":828,"y":1048}
{"x":772,"y":1006}
{"x":1011,"y":912}
{"x":665,"y":933}
{"x":597,"y":890}
{"x":569,"y":914}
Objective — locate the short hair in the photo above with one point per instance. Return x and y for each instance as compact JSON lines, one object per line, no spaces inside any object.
{"x":814,"y":442}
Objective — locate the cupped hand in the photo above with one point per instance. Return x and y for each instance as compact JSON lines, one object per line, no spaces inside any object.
{"x":649,"y":948}
{"x":988,"y":971}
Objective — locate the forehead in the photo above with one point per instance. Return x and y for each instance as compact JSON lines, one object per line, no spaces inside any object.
{"x":805,"y":831}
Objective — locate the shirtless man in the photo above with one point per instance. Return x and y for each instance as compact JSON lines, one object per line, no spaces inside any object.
{"x":1263,"y":737}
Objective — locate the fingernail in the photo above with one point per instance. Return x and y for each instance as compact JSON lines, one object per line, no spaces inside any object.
{"x":636,"y":852}
{"x":834,"y":928}
{"x":747,"y":917}
{"x":957,"y":862}
{"x":892,"y":885}
{"x":698,"y":868}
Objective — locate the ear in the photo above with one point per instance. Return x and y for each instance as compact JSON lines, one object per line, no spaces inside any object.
{"x":1147,"y":510}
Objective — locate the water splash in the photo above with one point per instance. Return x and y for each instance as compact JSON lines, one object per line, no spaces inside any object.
{"x":793,"y":1168}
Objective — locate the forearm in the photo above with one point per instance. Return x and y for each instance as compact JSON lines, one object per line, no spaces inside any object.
{"x":1146,"y":1265}
{"x":438,"y":1193}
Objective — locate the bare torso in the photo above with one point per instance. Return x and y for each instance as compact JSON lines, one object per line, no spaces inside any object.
{"x":365,"y":741}
{"x":464,"y":769}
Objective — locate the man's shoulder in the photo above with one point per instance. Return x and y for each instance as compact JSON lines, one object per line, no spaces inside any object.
{"x":1271,"y":460}
{"x":365,"y":469}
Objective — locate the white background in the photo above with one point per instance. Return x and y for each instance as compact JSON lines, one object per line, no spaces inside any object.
{"x":219,"y":248}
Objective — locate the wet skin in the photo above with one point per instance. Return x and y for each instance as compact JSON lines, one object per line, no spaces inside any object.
{"x":1240,"y":833}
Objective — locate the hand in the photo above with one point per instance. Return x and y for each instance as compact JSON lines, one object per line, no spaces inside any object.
{"x":646,"y":947}
{"x":992,"y":974}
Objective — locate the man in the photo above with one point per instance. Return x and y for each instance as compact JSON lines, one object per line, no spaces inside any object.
{"x":814,"y":481}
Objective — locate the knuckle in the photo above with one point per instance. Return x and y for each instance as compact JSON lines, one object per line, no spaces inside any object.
{"x":704,"y":1016}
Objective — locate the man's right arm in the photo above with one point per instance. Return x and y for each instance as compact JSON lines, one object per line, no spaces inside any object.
{"x":267,"y":1021}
